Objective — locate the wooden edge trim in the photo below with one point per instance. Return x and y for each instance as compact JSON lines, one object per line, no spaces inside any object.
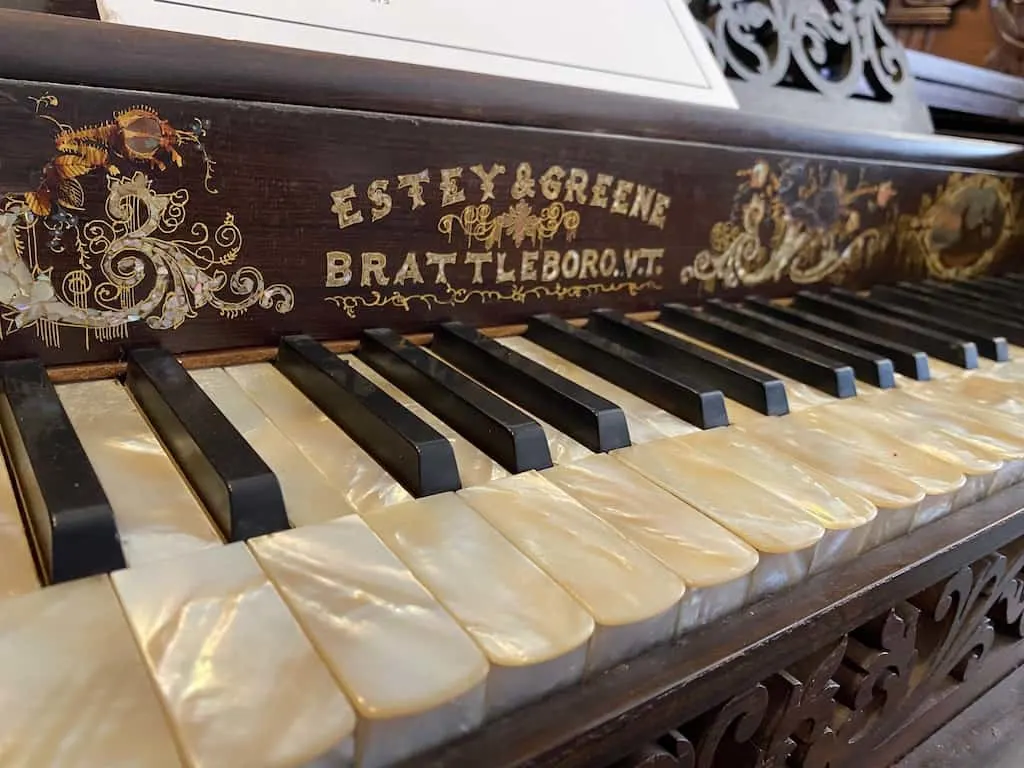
{"x":103,"y":54}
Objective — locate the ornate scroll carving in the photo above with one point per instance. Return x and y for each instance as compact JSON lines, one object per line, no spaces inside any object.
{"x":140,"y":261}
{"x":837,"y":706}
{"x":832,"y":47}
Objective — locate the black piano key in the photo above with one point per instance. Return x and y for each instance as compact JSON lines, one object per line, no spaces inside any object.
{"x":973,"y":320}
{"x":873,"y":368}
{"x":984,"y":293}
{"x":942,"y":346}
{"x":71,"y":519}
{"x":239,"y":490}
{"x":745,"y":384}
{"x":992,"y":346}
{"x":830,"y":376}
{"x":512,"y":438}
{"x":1011,"y":279}
{"x":1011,"y":294}
{"x":414,"y":453}
{"x":590,"y":419}
{"x":966,"y":295}
{"x":957,"y":297}
{"x":908,"y":361}
{"x":671,"y":390}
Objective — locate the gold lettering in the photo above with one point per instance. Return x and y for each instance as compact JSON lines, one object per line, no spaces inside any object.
{"x":630,"y":259}
{"x":504,"y":275}
{"x":410,"y":270}
{"x":622,"y":190}
{"x":576,"y":186}
{"x":642,"y":202}
{"x":652,"y":255}
{"x":588,"y":267}
{"x":661,"y":203}
{"x":339,"y":269}
{"x":549,"y":270}
{"x":343,"y":207}
{"x":374,"y":265}
{"x":528,"y":271}
{"x":525,"y":185}
{"x":570,"y":264}
{"x":608,"y":262}
{"x":487,"y":180}
{"x":451,"y":192}
{"x":377,"y":192}
{"x":599,"y":191}
{"x":478,"y":260}
{"x":414,"y":183}
{"x":440,"y":260}
{"x":551,"y":182}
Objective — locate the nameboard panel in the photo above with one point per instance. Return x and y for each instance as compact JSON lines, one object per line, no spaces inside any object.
{"x":205,"y":224}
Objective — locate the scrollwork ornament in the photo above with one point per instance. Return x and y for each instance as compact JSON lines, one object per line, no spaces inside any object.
{"x":833,"y":47}
{"x":801,"y":706}
{"x":183,"y":275}
{"x":727,"y":732}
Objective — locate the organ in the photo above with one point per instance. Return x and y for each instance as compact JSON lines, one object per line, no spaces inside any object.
{"x":359,"y":413}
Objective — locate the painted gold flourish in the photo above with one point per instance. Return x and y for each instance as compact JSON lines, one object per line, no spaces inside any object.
{"x":798,"y":221}
{"x":135,"y":244}
{"x":519,"y":222}
{"x":351,"y":305}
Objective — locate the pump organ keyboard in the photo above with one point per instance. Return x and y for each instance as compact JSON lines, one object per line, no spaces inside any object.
{"x":361,"y":545}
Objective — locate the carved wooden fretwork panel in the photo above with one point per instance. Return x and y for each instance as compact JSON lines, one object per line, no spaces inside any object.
{"x":837,"y":48}
{"x":846,"y":704}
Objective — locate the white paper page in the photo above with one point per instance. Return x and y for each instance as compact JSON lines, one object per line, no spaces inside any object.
{"x":645,"y":47}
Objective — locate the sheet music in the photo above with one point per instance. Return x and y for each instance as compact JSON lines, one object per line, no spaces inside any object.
{"x":645,"y":47}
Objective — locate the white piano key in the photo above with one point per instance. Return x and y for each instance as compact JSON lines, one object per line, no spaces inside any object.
{"x":714,"y":564}
{"x":241,"y":683}
{"x":18,"y":573}
{"x":74,"y":690}
{"x":888,"y":472}
{"x":157,"y":514}
{"x":310,"y":497}
{"x":982,"y":459}
{"x":414,"y":676}
{"x":785,"y":536}
{"x":475,"y":466}
{"x":633,"y":598}
{"x":847,"y":517}
{"x":534,"y":634}
{"x":646,"y":421}
{"x":367,"y":485}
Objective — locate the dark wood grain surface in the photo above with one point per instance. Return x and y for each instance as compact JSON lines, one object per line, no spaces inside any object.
{"x":109,"y":55}
{"x":308,"y":220}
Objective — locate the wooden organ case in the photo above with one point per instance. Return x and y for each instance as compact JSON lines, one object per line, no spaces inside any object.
{"x":359,"y":412}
